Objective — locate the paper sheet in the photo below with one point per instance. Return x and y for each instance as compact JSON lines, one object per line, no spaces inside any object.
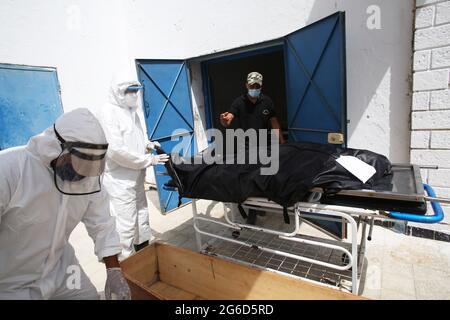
{"x":358,"y":168}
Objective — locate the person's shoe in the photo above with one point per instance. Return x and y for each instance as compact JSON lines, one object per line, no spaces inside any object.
{"x":138,"y":247}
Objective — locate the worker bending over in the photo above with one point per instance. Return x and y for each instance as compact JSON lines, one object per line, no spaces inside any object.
{"x":46,"y":188}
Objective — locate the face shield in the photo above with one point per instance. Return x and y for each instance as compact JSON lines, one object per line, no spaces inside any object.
{"x":79,"y":167}
{"x":132,"y":96}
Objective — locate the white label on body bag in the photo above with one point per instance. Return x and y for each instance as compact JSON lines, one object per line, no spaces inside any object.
{"x":358,"y":168}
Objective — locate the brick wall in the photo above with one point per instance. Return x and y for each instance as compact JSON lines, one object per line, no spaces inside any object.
{"x":430,"y":118}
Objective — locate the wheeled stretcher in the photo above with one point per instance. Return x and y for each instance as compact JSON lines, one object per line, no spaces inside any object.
{"x":339,"y":261}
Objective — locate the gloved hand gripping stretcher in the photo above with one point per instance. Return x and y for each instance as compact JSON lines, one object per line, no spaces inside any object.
{"x":310,"y":183}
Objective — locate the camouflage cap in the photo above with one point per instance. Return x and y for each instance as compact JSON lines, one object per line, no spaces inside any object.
{"x":254,"y":77}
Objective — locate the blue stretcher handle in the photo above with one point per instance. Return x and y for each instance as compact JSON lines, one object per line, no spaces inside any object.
{"x":435,"y":218}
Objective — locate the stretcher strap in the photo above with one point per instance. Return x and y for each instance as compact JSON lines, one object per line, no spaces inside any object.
{"x":242,"y":211}
{"x":286,"y":215}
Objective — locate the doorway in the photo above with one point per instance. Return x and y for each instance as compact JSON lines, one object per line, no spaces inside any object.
{"x":226,"y":79}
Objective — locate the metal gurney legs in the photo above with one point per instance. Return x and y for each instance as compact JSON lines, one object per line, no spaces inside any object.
{"x":323,"y":211}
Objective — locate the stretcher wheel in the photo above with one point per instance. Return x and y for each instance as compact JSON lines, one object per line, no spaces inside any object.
{"x":235,"y":234}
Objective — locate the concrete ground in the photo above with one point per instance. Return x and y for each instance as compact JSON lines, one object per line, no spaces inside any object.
{"x":397,"y":266}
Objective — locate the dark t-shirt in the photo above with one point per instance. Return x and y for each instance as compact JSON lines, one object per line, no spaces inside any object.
{"x":248,"y":115}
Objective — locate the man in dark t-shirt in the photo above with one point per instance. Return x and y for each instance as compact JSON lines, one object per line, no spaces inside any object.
{"x":253,"y":110}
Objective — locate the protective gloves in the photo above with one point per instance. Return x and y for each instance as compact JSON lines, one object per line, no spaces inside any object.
{"x":151,"y":145}
{"x":116,"y":287}
{"x":158,"y":159}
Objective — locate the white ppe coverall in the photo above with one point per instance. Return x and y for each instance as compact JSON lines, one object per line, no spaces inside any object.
{"x":125,"y":167}
{"x":36,"y":220}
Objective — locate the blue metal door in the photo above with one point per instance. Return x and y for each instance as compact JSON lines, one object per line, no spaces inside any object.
{"x":29,"y":102}
{"x":316,"y":80}
{"x":168,"y":116}
{"x":316,"y":88}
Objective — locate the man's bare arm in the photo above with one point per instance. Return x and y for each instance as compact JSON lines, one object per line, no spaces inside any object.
{"x":276,"y":126}
{"x":111,"y":262}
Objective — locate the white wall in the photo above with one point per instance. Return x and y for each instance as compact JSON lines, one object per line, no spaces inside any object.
{"x":76,"y":37}
{"x":89,"y":41}
{"x":430,"y":136}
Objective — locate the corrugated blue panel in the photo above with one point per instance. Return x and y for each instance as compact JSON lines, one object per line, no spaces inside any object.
{"x":167,"y":108}
{"x":29,"y":102}
{"x":316,"y":80}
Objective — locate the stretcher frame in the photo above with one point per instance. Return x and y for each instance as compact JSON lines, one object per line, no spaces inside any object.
{"x":357,"y":219}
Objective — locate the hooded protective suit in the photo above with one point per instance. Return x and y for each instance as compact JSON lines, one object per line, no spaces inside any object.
{"x":125,"y":167}
{"x":36,"y":220}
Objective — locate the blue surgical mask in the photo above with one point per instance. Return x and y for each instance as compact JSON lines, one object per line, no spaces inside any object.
{"x":254,"y":93}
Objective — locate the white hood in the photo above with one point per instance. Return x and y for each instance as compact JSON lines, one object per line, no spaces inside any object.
{"x":117,"y":92}
{"x":78,"y":125}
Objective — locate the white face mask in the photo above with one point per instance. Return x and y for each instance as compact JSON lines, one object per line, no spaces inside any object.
{"x":131,"y":100}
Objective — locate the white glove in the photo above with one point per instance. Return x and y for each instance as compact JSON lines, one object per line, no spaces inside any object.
{"x":158,"y":159}
{"x":116,"y":287}
{"x":151,"y":145}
